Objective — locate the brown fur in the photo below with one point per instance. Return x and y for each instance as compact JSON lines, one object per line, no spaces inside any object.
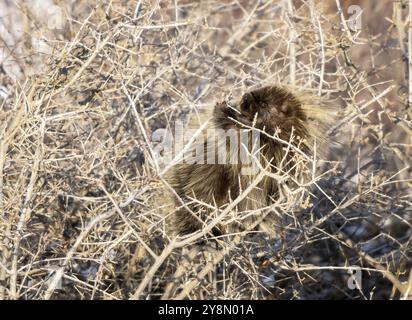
{"x":276,"y":111}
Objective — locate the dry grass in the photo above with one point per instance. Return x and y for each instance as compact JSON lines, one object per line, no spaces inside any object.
{"x":80,"y":216}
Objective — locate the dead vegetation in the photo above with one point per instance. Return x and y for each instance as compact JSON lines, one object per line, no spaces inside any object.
{"x":79,"y":184}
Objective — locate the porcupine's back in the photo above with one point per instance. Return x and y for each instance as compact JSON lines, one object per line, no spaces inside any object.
{"x":288,"y":123}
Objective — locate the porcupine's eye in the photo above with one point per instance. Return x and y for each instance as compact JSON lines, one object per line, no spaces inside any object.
{"x":248,"y":103}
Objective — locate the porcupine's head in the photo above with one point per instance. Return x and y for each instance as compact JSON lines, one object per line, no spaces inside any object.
{"x":278,"y":113}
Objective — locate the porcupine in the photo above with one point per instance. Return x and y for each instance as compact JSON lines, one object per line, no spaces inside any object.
{"x":290,"y":126}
